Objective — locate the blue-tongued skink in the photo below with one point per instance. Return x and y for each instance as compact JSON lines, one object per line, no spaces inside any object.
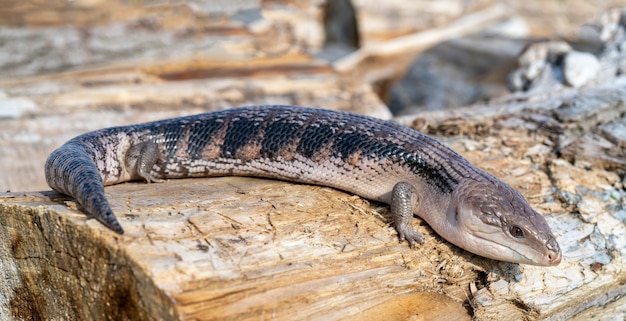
{"x":376,"y":159}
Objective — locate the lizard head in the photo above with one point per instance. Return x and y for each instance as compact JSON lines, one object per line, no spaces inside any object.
{"x":492,"y":219}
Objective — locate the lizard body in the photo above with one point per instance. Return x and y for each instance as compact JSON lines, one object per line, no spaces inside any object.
{"x":376,"y":159}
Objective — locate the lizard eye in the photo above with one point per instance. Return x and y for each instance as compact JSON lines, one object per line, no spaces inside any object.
{"x":517,"y":232}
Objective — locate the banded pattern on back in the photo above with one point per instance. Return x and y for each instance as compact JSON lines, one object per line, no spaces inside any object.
{"x":299,"y":144}
{"x":373,"y":158}
{"x":355,"y":153}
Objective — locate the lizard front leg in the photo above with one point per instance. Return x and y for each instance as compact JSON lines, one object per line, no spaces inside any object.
{"x":404,"y":199}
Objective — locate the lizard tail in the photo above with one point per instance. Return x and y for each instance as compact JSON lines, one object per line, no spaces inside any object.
{"x":71,"y":171}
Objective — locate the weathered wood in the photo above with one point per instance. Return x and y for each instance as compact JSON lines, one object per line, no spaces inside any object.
{"x":122,"y":32}
{"x":389,"y":60}
{"x":523,"y":137}
{"x":38,"y":117}
{"x":381,"y":21}
{"x":222,"y":248}
{"x":249,"y":249}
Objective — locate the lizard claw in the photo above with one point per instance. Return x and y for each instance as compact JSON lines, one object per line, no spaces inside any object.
{"x":412,"y":236}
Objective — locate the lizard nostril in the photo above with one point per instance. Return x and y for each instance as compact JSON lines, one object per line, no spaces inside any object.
{"x":554,"y":258}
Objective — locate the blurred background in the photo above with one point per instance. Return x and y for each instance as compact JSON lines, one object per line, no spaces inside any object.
{"x":67,"y":67}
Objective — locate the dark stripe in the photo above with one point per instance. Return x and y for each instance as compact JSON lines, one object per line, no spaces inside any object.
{"x":170,"y":134}
{"x":348,"y":144}
{"x":433,"y":172}
{"x":421,"y":164}
{"x":201,"y":134}
{"x":278,"y":135}
{"x":238,"y":133}
{"x":314,"y":138}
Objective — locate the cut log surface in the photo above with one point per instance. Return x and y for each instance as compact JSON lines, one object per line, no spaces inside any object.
{"x":221,"y":248}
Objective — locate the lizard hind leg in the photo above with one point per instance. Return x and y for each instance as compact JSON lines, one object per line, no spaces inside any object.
{"x":140,"y":160}
{"x":404,"y":198}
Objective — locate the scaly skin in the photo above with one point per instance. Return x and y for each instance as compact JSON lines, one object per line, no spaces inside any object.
{"x":376,"y":159}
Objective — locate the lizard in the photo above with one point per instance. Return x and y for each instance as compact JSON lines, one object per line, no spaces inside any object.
{"x":376,"y":159}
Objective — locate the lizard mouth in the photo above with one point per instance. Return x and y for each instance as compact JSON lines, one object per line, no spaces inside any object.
{"x":522,"y":253}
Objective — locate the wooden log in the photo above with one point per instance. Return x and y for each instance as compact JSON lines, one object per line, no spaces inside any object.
{"x":519,"y":159}
{"x":249,"y":249}
{"x":243,"y":248}
{"x":39,"y":119}
{"x":389,"y":60}
{"x":523,"y":138}
{"x":59,"y":36}
{"x":221,"y":249}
